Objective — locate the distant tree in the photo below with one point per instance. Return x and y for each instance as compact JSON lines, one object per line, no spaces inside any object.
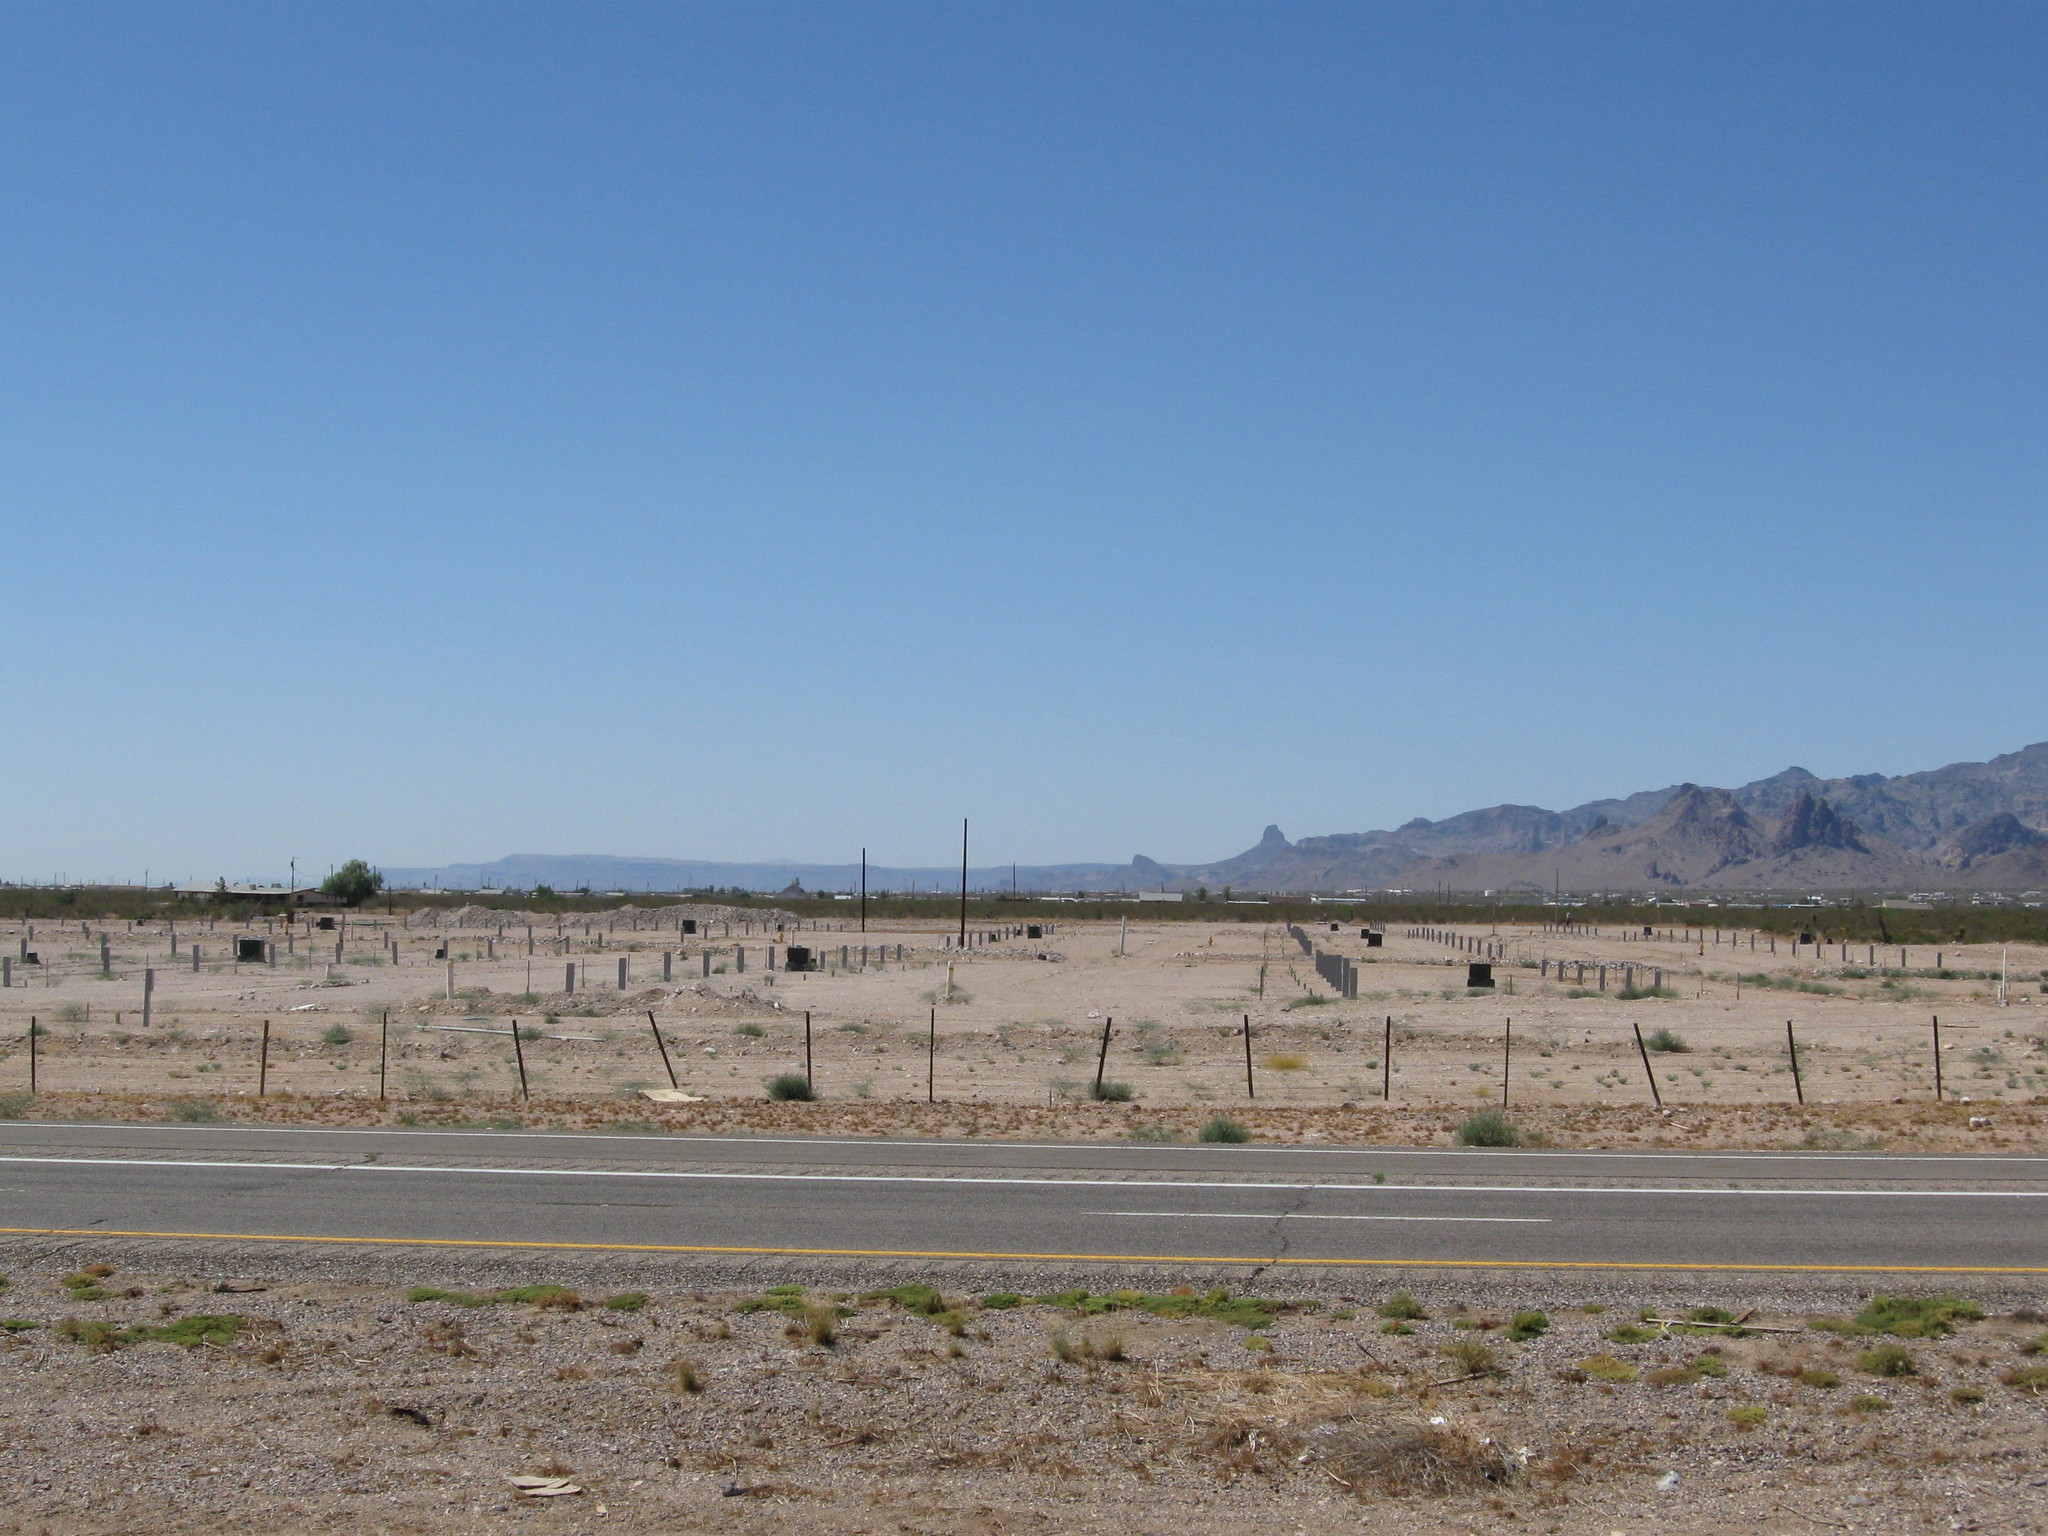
{"x":354,"y":883}
{"x":543,"y":892}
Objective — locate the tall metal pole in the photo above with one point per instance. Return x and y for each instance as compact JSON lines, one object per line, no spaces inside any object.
{"x":1387,"y":1064}
{"x":1249,"y":1091}
{"x":863,"y":890}
{"x":1507,"y":1051}
{"x":1792,"y":1050}
{"x":1937,"y":1058}
{"x":963,"y":882}
{"x":384,"y":1050}
{"x":809,"y":1080}
{"x":263,"y":1062}
{"x":34,"y":1029}
{"x":931,"y":1062}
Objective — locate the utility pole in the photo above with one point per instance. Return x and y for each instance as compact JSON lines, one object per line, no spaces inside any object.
{"x":963,"y":882}
{"x":863,"y":890}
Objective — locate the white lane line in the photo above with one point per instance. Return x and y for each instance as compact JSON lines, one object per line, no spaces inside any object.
{"x":530,"y":1138}
{"x":1051,"y":1183}
{"x":1539,"y":1221}
{"x":168,"y":1162}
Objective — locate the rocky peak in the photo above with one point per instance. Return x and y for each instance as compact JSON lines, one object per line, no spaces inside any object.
{"x":1813,"y":823}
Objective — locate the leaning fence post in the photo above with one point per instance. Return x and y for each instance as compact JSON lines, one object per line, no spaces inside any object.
{"x":519,"y":1055}
{"x":1792,"y":1050}
{"x":1937,"y":1058}
{"x":1102,"y":1057}
{"x":1644,"y":1051}
{"x":662,"y":1046}
{"x":1249,"y":1091}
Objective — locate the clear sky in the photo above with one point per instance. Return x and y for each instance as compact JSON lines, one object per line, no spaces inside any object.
{"x":434,"y":431}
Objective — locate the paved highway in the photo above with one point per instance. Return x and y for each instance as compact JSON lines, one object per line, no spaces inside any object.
{"x":990,"y":1199}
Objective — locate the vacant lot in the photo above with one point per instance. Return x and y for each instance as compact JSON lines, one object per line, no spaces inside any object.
{"x":1018,"y":1023}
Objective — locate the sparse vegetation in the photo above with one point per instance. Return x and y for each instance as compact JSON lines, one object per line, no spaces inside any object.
{"x":1110,"y":1092}
{"x":1401,"y":1307}
{"x":1489,"y":1128}
{"x":1606,"y":1368}
{"x":1668,"y":1041}
{"x":1223,"y":1129}
{"x":1887,"y":1360}
{"x":791,"y":1088}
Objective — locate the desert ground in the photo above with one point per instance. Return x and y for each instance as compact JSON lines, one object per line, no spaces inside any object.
{"x":193,"y":1387}
{"x":185,"y":1390}
{"x":899,"y":1020}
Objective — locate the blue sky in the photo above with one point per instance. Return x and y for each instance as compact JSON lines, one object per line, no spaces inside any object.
{"x":434,"y":431}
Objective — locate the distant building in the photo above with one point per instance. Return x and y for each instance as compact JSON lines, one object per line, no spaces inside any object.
{"x":300,"y":896}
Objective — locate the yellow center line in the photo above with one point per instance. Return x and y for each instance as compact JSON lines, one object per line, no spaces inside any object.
{"x":1076,"y":1258}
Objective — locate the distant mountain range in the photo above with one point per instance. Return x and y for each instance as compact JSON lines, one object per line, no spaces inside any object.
{"x":1969,"y":826}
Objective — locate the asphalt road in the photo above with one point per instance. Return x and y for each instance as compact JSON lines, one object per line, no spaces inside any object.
{"x":1842,"y":1212}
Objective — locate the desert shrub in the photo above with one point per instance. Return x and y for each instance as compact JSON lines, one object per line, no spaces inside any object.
{"x":2028,"y":1378}
{"x":1527,"y":1325}
{"x":1905,"y":1317}
{"x":1474,"y":1358}
{"x":1489,"y":1128}
{"x":1110,"y":1093}
{"x":753,"y":1030}
{"x":1964,"y":1397}
{"x":14,"y":1105}
{"x":90,"y":1334}
{"x":1607,"y":1368}
{"x":1819,"y":1377}
{"x":200,"y":1328}
{"x":683,"y":1376}
{"x":1284,"y":1062}
{"x":1887,"y":1360}
{"x":915,"y":1297}
{"x":1002,"y":1301}
{"x":791,"y":1087}
{"x":1667,"y":1040}
{"x":1401,"y":1307}
{"x":195,"y":1111}
{"x":1218,"y":1306}
{"x":1223,"y":1129}
{"x":1748,"y":1415}
{"x":626,"y":1301}
{"x":1864,"y":1402}
{"x":1629,"y":1333}
{"x":336,"y":1034}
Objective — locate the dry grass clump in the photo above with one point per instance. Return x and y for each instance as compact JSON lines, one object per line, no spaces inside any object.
{"x":1088,"y":1347}
{"x":1418,"y":1459}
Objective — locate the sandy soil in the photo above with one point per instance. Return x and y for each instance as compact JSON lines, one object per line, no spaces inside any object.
{"x":1020,"y":1022}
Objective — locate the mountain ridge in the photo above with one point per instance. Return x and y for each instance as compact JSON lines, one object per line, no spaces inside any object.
{"x":1968,"y":825}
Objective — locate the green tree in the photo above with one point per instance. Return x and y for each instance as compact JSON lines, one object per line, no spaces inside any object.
{"x":355,"y":883}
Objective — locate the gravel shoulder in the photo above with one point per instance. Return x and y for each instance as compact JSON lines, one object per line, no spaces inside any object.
{"x":786,"y":1396}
